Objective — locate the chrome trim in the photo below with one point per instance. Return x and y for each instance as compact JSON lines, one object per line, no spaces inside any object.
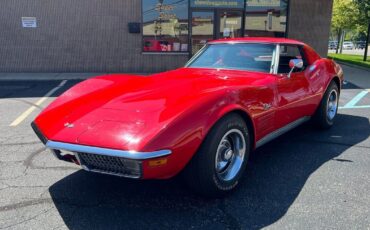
{"x":269,"y":137}
{"x":274,"y":62}
{"x":230,"y":155}
{"x":196,"y":55}
{"x":106,"y":151}
{"x":296,"y":63}
{"x":332,"y":105}
{"x":276,"y":59}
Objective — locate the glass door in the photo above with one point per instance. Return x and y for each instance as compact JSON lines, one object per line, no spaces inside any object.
{"x":202,"y":29}
{"x":229,"y":24}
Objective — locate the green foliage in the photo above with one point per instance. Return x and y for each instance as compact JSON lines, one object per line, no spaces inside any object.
{"x":363,"y":20}
{"x":352,"y":59}
{"x":345,"y":15}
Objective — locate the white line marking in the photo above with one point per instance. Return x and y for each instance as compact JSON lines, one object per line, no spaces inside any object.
{"x":26,"y":113}
{"x":356,"y":99}
{"x":357,"y":107}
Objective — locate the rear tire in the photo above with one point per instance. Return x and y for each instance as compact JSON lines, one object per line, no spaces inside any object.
{"x":328,"y":108}
{"x":218,"y":165}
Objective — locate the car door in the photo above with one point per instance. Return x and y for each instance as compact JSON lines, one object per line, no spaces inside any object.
{"x":293,"y":91}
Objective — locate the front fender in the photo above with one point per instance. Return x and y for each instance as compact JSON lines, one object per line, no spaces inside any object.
{"x":185,"y":134}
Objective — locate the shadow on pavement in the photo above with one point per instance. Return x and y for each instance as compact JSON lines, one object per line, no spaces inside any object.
{"x":31,"y":89}
{"x":349,"y":85}
{"x":275,"y":176}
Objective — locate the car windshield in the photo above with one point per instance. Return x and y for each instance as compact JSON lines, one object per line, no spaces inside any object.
{"x":240,"y":56}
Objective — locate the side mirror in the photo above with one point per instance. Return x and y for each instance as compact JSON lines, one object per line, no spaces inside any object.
{"x":295,"y":64}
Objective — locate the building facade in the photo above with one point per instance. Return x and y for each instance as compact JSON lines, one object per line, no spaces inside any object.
{"x":144,"y":35}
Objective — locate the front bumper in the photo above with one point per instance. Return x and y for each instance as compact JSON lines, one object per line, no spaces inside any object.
{"x":101,"y":160}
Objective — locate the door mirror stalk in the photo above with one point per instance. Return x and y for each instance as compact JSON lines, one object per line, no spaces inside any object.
{"x":295,"y":64}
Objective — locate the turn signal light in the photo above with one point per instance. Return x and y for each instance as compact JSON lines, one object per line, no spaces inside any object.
{"x":157,"y":162}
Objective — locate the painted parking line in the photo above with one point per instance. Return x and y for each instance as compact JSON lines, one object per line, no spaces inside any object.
{"x":352,"y":103}
{"x":26,"y":113}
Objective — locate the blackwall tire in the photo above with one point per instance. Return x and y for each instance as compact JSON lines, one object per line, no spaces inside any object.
{"x":217,"y":167}
{"x":326,"y":113}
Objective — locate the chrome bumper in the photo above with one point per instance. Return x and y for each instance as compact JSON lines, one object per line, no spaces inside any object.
{"x":104,"y":160}
{"x":101,"y":160}
{"x":133,"y":155}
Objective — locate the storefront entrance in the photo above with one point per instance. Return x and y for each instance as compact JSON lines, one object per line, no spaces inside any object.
{"x":214,"y":24}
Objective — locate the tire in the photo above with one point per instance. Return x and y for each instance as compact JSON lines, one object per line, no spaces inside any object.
{"x":216,"y":168}
{"x":328,"y":108}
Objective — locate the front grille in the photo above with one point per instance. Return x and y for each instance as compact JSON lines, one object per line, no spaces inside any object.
{"x":110,"y":165}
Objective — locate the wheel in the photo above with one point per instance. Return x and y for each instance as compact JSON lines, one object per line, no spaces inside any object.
{"x":328,"y":108}
{"x":218,"y":165}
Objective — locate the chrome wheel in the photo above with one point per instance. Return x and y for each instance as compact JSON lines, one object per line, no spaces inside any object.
{"x":230,"y":155}
{"x":332,"y":105}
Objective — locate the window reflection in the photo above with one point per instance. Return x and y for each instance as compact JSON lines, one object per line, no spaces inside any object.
{"x":266,"y":18}
{"x":230,"y":24}
{"x":165,"y":25}
{"x":243,"y":56}
{"x":202,"y":29}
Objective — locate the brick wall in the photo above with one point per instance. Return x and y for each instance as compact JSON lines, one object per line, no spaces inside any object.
{"x":309,"y":21}
{"x":75,"y":36}
{"x":92,"y":35}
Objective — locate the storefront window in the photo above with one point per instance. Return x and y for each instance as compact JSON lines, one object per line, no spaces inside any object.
{"x":168,"y":24}
{"x":165,"y":25}
{"x":265,"y":18}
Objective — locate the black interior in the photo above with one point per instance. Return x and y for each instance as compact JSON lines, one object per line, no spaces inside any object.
{"x":284,"y":64}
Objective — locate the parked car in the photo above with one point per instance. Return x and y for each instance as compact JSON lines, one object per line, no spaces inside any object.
{"x":204,"y":119}
{"x":348,"y":45}
{"x":332,"y":45}
{"x":361,"y":45}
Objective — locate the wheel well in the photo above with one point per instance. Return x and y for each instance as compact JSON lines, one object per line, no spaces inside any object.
{"x":249,"y":123}
{"x":337,"y":81}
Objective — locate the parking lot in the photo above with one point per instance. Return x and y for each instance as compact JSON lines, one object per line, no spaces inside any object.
{"x":306,"y":179}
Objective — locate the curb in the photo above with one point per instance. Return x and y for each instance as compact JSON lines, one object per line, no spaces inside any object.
{"x":352,"y":65}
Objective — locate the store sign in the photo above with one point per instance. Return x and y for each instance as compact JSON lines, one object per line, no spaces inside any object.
{"x":263,"y":3}
{"x":29,"y":22}
{"x":163,"y":11}
{"x":217,"y":3}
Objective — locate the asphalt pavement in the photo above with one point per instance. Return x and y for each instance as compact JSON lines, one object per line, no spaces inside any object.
{"x":306,"y":179}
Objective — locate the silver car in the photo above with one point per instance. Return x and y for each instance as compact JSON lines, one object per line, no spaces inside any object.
{"x":348,"y":45}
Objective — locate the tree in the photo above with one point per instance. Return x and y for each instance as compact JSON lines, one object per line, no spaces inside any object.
{"x":345,"y":17}
{"x":363,"y":22}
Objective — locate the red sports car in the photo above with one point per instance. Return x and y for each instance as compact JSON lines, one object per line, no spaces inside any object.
{"x":203,"y":119}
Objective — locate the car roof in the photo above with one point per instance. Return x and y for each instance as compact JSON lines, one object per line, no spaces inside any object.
{"x":258,"y":40}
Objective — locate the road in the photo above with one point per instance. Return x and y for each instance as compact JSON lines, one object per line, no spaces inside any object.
{"x":351,"y":52}
{"x":306,"y":179}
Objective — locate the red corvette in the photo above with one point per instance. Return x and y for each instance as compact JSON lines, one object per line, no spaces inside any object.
{"x":203,"y":119}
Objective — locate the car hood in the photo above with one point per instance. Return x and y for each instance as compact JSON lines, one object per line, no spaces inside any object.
{"x":125,"y":112}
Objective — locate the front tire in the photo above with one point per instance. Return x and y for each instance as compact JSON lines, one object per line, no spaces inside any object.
{"x":217,"y":167}
{"x":328,"y":108}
